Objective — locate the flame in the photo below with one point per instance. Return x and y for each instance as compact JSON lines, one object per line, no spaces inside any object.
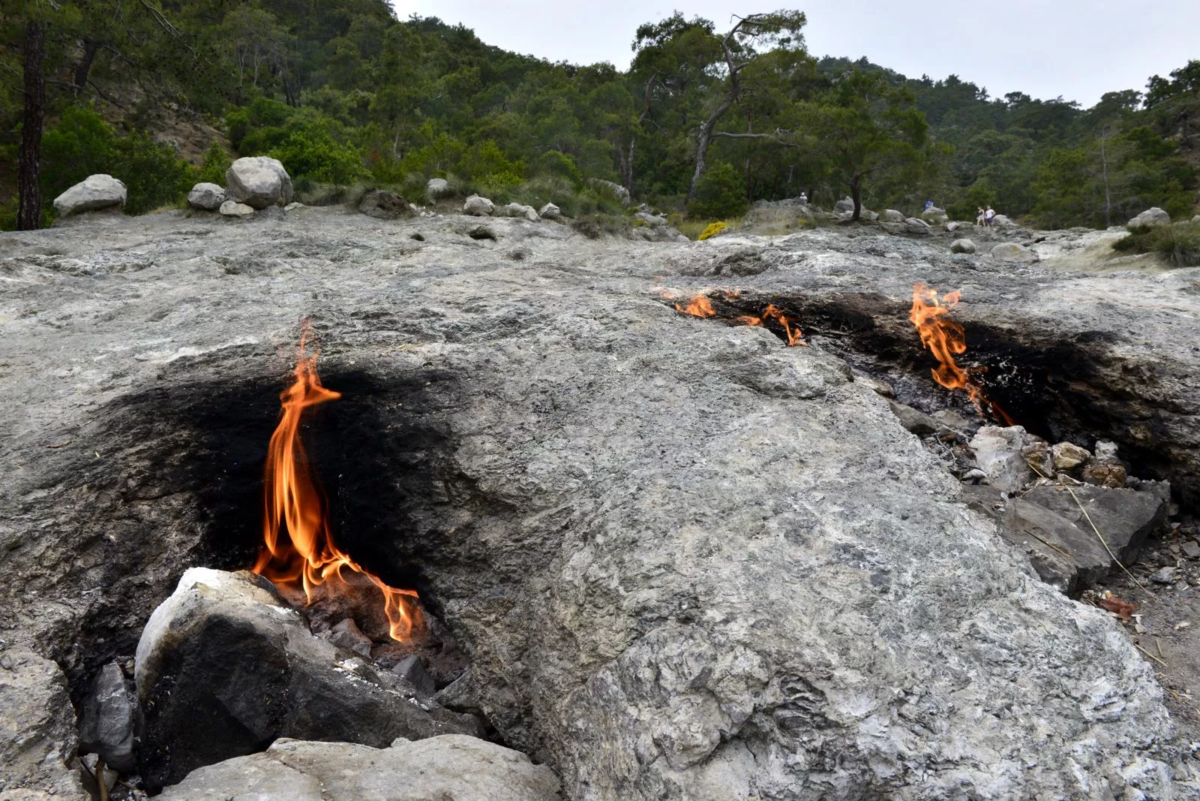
{"x":947,"y":339}
{"x":699,"y":306}
{"x":306,"y":554}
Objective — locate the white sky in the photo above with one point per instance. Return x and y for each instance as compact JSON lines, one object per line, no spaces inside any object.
{"x":1072,"y":48}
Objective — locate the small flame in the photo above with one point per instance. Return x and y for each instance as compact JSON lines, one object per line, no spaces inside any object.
{"x":699,"y":306}
{"x":947,"y":339}
{"x":307,"y":554}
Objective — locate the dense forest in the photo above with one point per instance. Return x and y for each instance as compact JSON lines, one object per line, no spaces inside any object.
{"x":706,"y":120}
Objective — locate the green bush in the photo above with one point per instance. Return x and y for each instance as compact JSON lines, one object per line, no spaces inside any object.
{"x":1178,"y":245}
{"x":83,"y":144}
{"x":216,"y":164}
{"x":720,"y":193}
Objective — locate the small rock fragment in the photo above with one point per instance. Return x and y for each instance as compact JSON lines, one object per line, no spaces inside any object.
{"x":346,"y":634}
{"x":1190,"y":549}
{"x":107,"y":723}
{"x":913,"y":420}
{"x":998,"y":453}
{"x":1165,"y":575}
{"x":1068,"y":456}
{"x":1105,"y":474}
{"x":412,"y":668}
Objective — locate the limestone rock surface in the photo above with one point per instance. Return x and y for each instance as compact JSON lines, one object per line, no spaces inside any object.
{"x":437,"y":769}
{"x":683,"y":559}
{"x":1012,"y":252}
{"x":96,"y":193}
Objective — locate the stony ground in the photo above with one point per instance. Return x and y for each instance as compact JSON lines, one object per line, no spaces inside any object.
{"x":683,"y":559}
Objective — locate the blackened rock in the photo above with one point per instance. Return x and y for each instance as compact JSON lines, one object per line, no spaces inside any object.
{"x":1124,"y":517}
{"x":412,"y":669}
{"x":1062,"y":553}
{"x":346,"y":634}
{"x":224,"y":669}
{"x":108,"y":719}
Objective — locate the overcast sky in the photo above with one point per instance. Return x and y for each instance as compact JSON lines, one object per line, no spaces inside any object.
{"x":1078,"y":49}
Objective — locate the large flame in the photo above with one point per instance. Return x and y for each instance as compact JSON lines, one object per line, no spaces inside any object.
{"x":947,"y":339}
{"x":298,"y":546}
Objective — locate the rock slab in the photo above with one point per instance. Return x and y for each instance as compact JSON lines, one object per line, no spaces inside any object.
{"x":108,"y":720}
{"x":206,"y":197}
{"x":445,"y":768}
{"x":96,"y":193}
{"x":224,"y":669}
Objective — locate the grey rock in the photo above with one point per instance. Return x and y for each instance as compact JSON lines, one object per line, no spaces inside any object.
{"x":223,"y":668}
{"x":934,"y":215}
{"x":383,"y":204}
{"x":108,"y":719}
{"x":96,"y":193}
{"x":346,"y":634}
{"x":1012,"y":252}
{"x":412,"y":669}
{"x":1003,"y":223}
{"x":1063,"y":554}
{"x":293,"y":206}
{"x":844,"y":205}
{"x":477,"y":206}
{"x":954,"y":225}
{"x":37,"y":730}
{"x":671,"y":579}
{"x":918,"y":227}
{"x":206,"y":197}
{"x":436,"y":769}
{"x":550,"y":212}
{"x":436,"y":189}
{"x":1165,"y":575}
{"x":1151,"y":217}
{"x":1190,"y":548}
{"x":892,"y":216}
{"x":258,"y":182}
{"x":913,"y":420}
{"x":231,"y":208}
{"x":998,"y":453}
{"x":650,"y":219}
{"x":618,"y":192}
{"x":962,"y":246}
{"x":522,"y":211}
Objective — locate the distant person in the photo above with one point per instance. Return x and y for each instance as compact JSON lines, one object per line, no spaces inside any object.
{"x":982,"y":215}
{"x":990,"y":217}
{"x":928,"y":205}
{"x":804,"y":198}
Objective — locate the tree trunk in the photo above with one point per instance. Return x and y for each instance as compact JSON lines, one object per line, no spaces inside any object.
{"x":29,"y":162}
{"x":856,"y":195}
{"x":1107,"y":192}
{"x":84,"y":69}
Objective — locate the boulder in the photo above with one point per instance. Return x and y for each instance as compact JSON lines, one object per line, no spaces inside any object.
{"x":934,"y":215}
{"x":258,"y":182}
{"x":1012,"y":252}
{"x":867,"y":214}
{"x":224,"y":668}
{"x":918,"y":227}
{"x":446,"y":767}
{"x":520,"y":210}
{"x":107,"y":720}
{"x":650,"y":219}
{"x":998,"y":453}
{"x":97,"y":193}
{"x":384,"y":205}
{"x":1150,"y":217}
{"x":620,"y":193}
{"x":437,"y":188}
{"x":962,"y":246}
{"x":550,"y":212}
{"x":37,"y":730}
{"x":954,"y":225}
{"x":478,"y":206}
{"x":891,"y":215}
{"x":1003,"y":223}
{"x":844,"y":205}
{"x":231,"y":208}
{"x":206,"y":197}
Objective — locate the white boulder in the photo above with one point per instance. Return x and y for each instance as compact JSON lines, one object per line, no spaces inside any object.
{"x":550,"y":212}
{"x":259,"y":182}
{"x":919,"y":227}
{"x":521,"y":210}
{"x":478,"y":206}
{"x":231,"y":208}
{"x":1010,"y":251}
{"x":1150,"y":217}
{"x":1003,"y":223}
{"x":892,"y":216}
{"x":437,"y":188}
{"x":206,"y":197}
{"x":94,"y":194}
{"x":962,"y":246}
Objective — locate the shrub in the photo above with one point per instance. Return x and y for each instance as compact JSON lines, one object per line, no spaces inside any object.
{"x":1178,"y":245}
{"x":313,"y":152}
{"x":720,"y":192}
{"x":594,"y":226}
{"x":216,"y":164}
{"x":713,"y":230}
{"x":559,"y":164}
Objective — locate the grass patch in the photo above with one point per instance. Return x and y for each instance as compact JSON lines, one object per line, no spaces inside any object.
{"x":1178,"y":245}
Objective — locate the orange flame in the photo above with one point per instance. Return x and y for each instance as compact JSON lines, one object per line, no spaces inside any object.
{"x":699,"y":306}
{"x":307,"y":554}
{"x":947,"y":339}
